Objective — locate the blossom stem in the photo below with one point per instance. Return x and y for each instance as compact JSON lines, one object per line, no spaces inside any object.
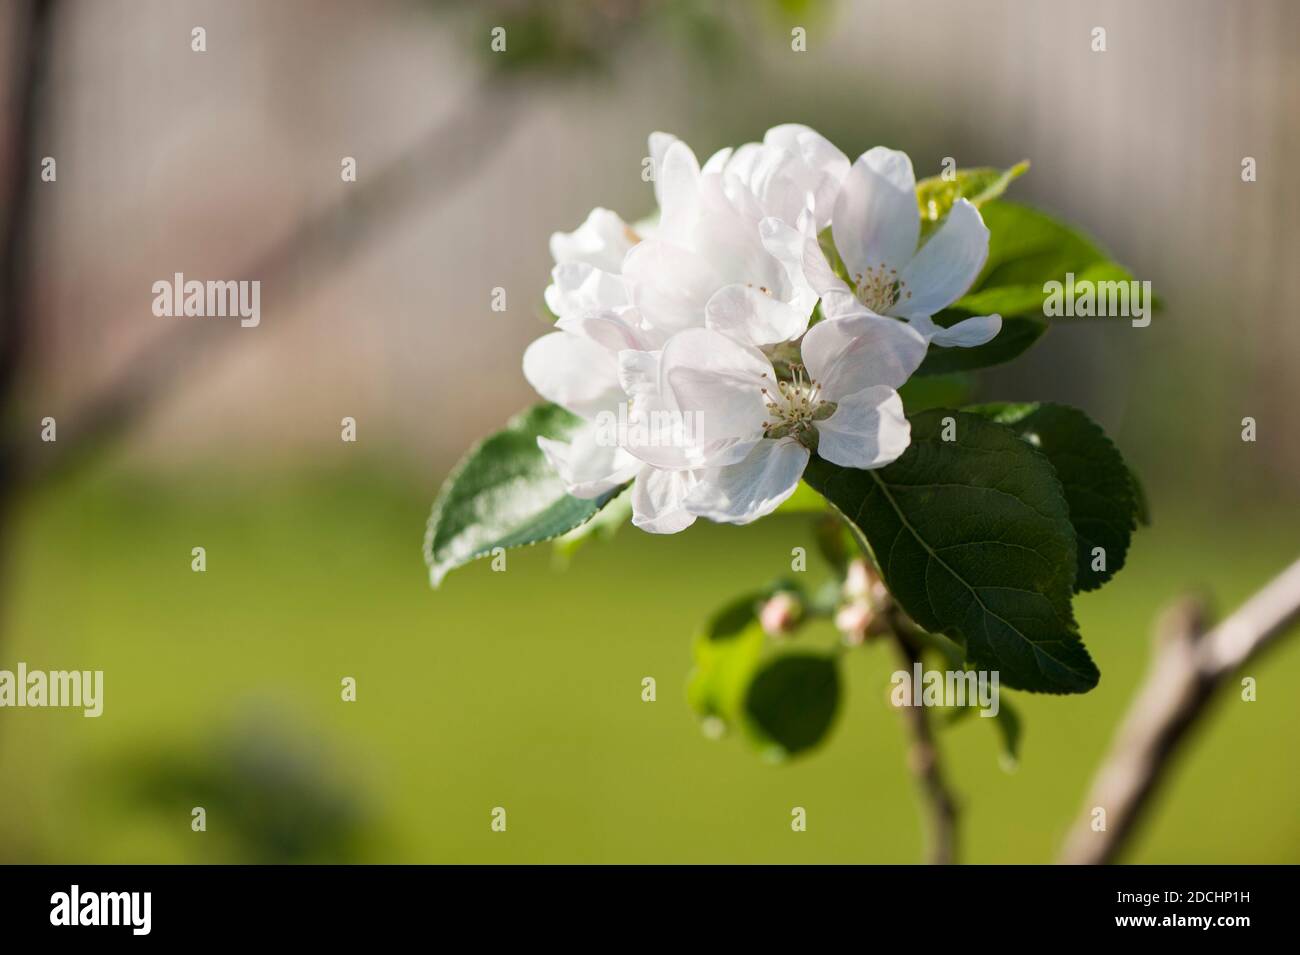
{"x":938,"y":803}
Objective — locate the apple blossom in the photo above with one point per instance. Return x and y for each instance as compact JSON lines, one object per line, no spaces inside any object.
{"x":876,"y":225}
{"x":835,"y":395}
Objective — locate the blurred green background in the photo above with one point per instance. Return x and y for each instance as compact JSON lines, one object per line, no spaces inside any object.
{"x":523,"y":689}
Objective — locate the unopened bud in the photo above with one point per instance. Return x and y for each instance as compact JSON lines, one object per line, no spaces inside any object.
{"x":781,"y":614}
{"x":852,"y":620}
{"x":859,"y":580}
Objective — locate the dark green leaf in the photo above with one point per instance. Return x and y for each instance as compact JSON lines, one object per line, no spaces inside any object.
{"x":792,"y":702}
{"x":602,"y":527}
{"x":936,"y":391}
{"x":973,"y":538}
{"x":1018,"y":333}
{"x":1098,"y":485}
{"x":504,"y":494}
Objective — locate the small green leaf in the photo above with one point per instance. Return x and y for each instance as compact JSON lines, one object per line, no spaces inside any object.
{"x":1009,"y":728}
{"x":726,"y":655}
{"x":1006,"y":721}
{"x":973,"y":538}
{"x":1098,"y":484}
{"x":935,"y":195}
{"x":505,"y":494}
{"x":791,"y":703}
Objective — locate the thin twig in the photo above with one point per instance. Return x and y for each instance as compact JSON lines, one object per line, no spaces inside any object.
{"x":940,"y":806}
{"x":1188,"y":666}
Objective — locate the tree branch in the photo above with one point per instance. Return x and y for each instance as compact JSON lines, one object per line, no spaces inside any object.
{"x":923,"y":758}
{"x":1188,"y":666}
{"x":448,"y":154}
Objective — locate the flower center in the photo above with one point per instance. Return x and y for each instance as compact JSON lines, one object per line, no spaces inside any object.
{"x":794,"y":406}
{"x":880,"y":288}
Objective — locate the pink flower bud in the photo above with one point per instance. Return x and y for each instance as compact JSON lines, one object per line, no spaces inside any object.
{"x":852,"y":620}
{"x":781,"y":614}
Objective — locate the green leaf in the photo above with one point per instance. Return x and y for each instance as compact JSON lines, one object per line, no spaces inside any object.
{"x":1017,"y":335}
{"x":1009,"y":729}
{"x":505,"y":494}
{"x":791,"y":703}
{"x":1098,"y":484}
{"x":936,"y":391}
{"x":935,"y":195}
{"x":1027,"y":249}
{"x":726,"y":655}
{"x":1140,"y":497}
{"x":602,"y":527}
{"x":973,"y":538}
{"x":1008,"y":724}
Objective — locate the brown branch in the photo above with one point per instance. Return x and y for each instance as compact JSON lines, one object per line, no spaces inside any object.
{"x":923,"y":758}
{"x":32,"y":41}
{"x":446,"y":156}
{"x":1188,"y":666}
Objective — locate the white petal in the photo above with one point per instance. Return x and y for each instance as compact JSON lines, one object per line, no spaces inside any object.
{"x":589,"y":464}
{"x":659,"y":145}
{"x":728,"y":236}
{"x":743,"y":161}
{"x":601,"y":241}
{"x":578,"y":287}
{"x":574,"y":372}
{"x":825,"y":165}
{"x":947,"y":264}
{"x":876,"y":219}
{"x":809,"y":271}
{"x":965,"y":334}
{"x":717,"y":162}
{"x":744,"y":492}
{"x":610,"y":330}
{"x":638,"y":373}
{"x":752,"y":317}
{"x":658,"y":499}
{"x":661,"y":434}
{"x":867,"y":430}
{"x":669,"y":285}
{"x":782,"y":184}
{"x":720,"y":382}
{"x":841,"y":303}
{"x":845,"y":355}
{"x":677,"y":178}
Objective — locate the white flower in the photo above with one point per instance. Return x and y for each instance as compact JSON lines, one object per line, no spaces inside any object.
{"x":757,"y":425}
{"x":702,"y":313}
{"x":793,"y":169}
{"x":706,"y":264}
{"x":876,"y":225}
{"x":588,"y":266}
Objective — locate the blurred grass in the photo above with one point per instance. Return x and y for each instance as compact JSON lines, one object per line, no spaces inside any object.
{"x":522,"y":689}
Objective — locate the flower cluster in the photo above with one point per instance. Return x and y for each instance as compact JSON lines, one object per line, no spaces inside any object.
{"x":770,"y":312}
